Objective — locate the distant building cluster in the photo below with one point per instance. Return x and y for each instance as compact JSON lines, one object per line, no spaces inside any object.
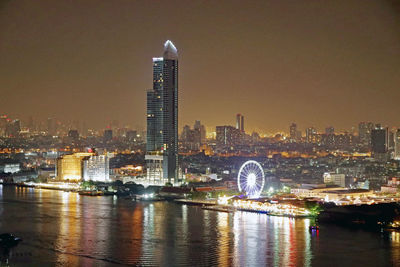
{"x":192,"y":139}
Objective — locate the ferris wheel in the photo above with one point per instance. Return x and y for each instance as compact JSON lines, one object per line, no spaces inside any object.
{"x":251,"y":179}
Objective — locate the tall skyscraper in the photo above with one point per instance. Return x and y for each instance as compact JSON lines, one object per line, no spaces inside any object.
{"x":293,"y":132}
{"x":199,"y":127}
{"x":227,"y":136}
{"x":364,"y":133}
{"x":397,"y":145}
{"x":162,"y":114}
{"x":311,"y":133}
{"x":240,"y":122}
{"x":379,"y":139}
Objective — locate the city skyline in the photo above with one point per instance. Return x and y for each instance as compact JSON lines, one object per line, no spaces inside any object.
{"x":83,"y":127}
{"x":342,"y":70}
{"x":199,"y":133}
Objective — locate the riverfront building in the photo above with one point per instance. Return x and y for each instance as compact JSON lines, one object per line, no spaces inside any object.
{"x":162,"y":119}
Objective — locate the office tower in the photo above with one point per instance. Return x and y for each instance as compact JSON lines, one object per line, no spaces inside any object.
{"x":311,"y":135}
{"x":240,"y":122}
{"x":397,"y":145}
{"x":390,"y":141}
{"x":379,"y":139}
{"x":162,"y":114}
{"x":96,"y":168}
{"x":293,"y":132}
{"x":227,"y":136}
{"x":364,"y":133}
{"x":108,"y":135}
{"x":199,"y":127}
{"x":191,"y":138}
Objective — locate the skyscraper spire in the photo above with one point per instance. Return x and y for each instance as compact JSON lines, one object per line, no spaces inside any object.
{"x":170,"y":51}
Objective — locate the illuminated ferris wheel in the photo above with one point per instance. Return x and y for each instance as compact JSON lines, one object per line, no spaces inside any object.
{"x":251,"y":179}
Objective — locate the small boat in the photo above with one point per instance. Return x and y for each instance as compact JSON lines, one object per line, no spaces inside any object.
{"x":146,"y":197}
{"x":91,"y":193}
{"x":8,"y":240}
{"x":216,"y":208}
{"x":312,"y":228}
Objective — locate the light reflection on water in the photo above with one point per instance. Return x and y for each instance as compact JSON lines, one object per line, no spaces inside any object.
{"x":70,"y":230}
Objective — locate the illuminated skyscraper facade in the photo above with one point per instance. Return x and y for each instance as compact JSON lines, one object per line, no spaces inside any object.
{"x":379,"y":139}
{"x":293,"y":132}
{"x":397,"y":145}
{"x":162,"y":114}
{"x":240,"y":122}
{"x":364,"y":133}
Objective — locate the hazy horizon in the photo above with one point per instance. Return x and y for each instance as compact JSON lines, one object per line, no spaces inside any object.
{"x":314,"y":63}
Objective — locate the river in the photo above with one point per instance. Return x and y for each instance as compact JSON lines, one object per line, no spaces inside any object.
{"x":66,"y":229}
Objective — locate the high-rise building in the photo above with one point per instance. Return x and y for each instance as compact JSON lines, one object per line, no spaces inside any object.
{"x":162,"y":113}
{"x":397,"y":145}
{"x":379,"y":139}
{"x":311,"y":133}
{"x":293,"y":132}
{"x":199,"y":127}
{"x":390,"y":141}
{"x":240,"y":122}
{"x":192,"y":139}
{"x":227,"y":136}
{"x":364,"y":133}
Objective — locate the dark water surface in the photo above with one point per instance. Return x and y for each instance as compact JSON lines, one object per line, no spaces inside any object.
{"x":65,"y":229}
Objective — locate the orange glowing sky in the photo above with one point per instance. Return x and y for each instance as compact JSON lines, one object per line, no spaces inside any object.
{"x":315,"y":63}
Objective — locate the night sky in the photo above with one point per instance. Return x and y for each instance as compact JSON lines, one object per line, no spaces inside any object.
{"x":317,"y":63}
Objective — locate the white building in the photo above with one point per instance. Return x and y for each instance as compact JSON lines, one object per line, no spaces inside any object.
{"x":335,"y":178}
{"x":333,"y":194}
{"x":96,"y":168}
{"x":11,"y":167}
{"x":155,"y":172}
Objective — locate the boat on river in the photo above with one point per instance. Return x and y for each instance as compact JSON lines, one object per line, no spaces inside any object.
{"x":91,"y":193}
